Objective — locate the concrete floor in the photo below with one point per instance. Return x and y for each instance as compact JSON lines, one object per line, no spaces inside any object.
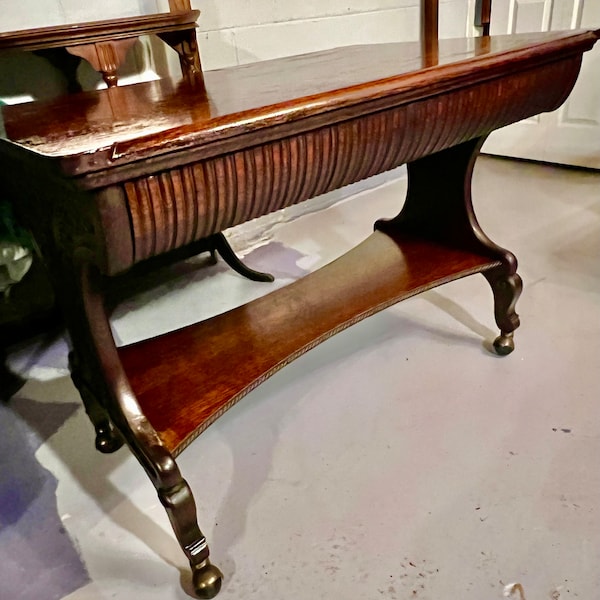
{"x":400,"y":459}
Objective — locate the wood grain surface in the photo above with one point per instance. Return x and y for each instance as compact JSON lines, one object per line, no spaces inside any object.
{"x":111,"y":178}
{"x":103,"y":130}
{"x":186,"y":379}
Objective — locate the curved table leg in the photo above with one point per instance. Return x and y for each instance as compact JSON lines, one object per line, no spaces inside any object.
{"x":439,"y":207}
{"x":506,"y":287}
{"x":97,"y":367}
{"x":216,"y":243}
{"x":108,"y":439}
{"x":221,"y":245}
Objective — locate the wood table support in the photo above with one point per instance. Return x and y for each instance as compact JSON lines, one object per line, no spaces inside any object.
{"x":145,"y":406}
{"x":105,"y":44}
{"x":105,"y":57}
{"x":128,"y":176}
{"x":439,"y":207}
{"x":118,"y":418}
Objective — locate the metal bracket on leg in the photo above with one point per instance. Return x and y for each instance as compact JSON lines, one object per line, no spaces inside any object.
{"x":504,"y":344}
{"x":181,"y":509}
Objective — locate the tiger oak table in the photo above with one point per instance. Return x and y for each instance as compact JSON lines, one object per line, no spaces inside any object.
{"x":111,"y":179}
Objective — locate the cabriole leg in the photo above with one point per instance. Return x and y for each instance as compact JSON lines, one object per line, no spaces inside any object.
{"x":439,"y":207}
{"x":506,"y":289}
{"x":110,"y":401}
{"x":181,"y":509}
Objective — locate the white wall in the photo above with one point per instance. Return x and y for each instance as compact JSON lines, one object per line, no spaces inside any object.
{"x":236,"y":32}
{"x":230,"y":31}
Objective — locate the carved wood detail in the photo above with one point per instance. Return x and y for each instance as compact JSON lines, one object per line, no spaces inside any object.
{"x":104,"y":44}
{"x":176,"y":207}
{"x":185,"y":44}
{"x":180,"y":164}
{"x":105,"y":57}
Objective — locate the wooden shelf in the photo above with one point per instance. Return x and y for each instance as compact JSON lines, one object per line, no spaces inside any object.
{"x":97,"y":31}
{"x":105,"y":44}
{"x":186,"y":379}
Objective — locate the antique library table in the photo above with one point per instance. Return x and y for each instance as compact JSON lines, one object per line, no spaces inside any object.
{"x":110,"y":179}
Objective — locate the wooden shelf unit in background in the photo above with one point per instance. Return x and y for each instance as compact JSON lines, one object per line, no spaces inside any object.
{"x":105,"y":44}
{"x":227,"y":356}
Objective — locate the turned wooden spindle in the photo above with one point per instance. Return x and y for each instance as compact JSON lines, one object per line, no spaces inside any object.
{"x":430,"y":32}
{"x":483,"y":16}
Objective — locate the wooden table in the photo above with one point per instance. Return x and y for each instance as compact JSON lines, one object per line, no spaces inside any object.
{"x":112,"y":179}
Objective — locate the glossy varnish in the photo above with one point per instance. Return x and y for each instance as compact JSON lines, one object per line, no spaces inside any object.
{"x":103,"y":130}
{"x":186,"y":203}
{"x":131,"y":175}
{"x":227,"y":356}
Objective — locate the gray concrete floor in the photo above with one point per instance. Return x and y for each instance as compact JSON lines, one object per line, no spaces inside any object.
{"x":400,"y":459}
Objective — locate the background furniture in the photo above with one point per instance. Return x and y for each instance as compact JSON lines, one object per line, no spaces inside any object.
{"x":105,"y":44}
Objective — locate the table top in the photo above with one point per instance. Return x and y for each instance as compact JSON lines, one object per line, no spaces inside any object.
{"x":100,"y":129}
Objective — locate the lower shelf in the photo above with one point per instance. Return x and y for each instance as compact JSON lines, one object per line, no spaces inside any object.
{"x":186,"y":379}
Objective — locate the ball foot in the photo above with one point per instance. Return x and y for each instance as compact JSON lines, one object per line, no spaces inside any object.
{"x":504,"y":344}
{"x":108,"y":439}
{"x":207,"y":580}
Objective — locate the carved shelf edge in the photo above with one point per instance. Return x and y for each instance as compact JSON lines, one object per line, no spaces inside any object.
{"x":105,"y":44}
{"x":97,"y":31}
{"x":186,"y":379}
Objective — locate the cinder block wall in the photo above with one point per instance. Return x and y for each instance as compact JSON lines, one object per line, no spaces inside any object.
{"x":237,"y":31}
{"x":240,"y":32}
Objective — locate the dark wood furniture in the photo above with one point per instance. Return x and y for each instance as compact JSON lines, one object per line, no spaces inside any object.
{"x":31,"y":308}
{"x":129,"y":174}
{"x":105,"y":44}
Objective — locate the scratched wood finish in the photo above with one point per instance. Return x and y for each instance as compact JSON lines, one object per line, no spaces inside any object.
{"x":181,"y":393}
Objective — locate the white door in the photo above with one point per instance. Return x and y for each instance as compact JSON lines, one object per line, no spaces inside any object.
{"x":570,"y":135}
